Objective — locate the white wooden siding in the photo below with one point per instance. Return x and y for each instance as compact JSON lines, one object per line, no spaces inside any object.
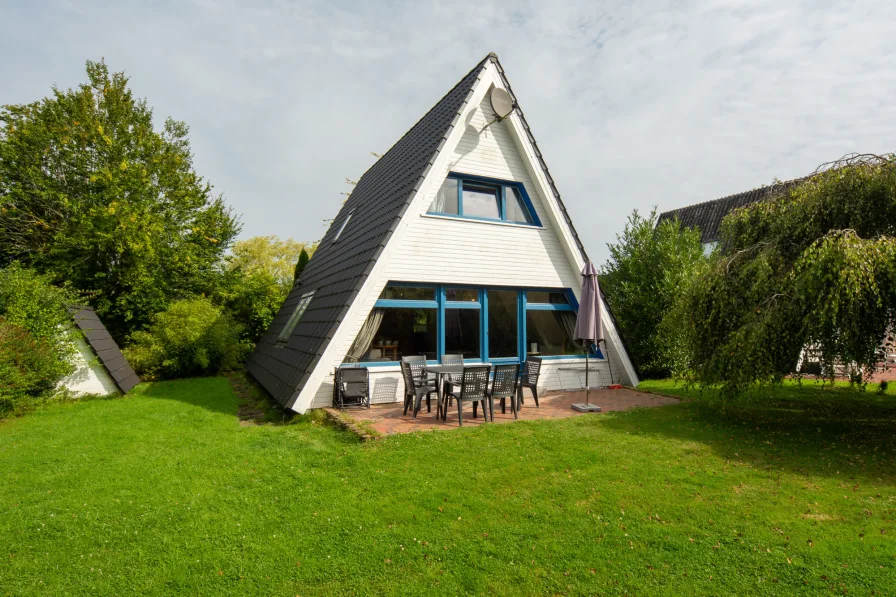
{"x":446,"y":249}
{"x":387,"y":386}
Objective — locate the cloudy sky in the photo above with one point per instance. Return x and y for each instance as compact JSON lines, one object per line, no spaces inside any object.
{"x":666,"y":103}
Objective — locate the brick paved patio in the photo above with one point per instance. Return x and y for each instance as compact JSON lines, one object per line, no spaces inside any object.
{"x":388,"y":418}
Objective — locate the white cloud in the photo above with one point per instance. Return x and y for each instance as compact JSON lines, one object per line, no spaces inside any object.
{"x":633,"y":104}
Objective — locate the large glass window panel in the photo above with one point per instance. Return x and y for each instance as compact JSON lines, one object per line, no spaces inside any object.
{"x":550,"y":333}
{"x":502,"y":324}
{"x":462,"y":332}
{"x":545,"y":296}
{"x":470,"y":295}
{"x":391,"y":333}
{"x":446,"y":199}
{"x":408,"y":293}
{"x":481,"y":201}
{"x":515,"y":207}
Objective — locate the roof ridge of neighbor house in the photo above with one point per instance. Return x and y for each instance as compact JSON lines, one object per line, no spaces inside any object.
{"x":764,"y":187}
{"x":708,"y":215}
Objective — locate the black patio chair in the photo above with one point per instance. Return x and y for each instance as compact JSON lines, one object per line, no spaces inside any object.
{"x":473,"y":388}
{"x":452,"y":378}
{"x":415,"y":389}
{"x":504,"y":386}
{"x":417,"y":363}
{"x":351,"y":387}
{"x":529,"y":378}
{"x":452,"y":359}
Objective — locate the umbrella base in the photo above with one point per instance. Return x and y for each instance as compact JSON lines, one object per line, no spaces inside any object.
{"x":586,"y":408}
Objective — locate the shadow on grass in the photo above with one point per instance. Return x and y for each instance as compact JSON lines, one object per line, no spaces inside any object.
{"x":234,"y":396}
{"x":210,"y":393}
{"x":809,"y":430}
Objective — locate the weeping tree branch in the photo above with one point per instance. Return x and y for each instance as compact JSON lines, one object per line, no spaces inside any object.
{"x":814,"y":265}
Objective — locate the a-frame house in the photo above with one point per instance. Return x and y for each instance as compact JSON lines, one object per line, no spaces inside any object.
{"x":455,"y":241}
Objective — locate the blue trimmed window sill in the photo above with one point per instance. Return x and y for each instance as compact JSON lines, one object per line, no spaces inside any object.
{"x":438,"y":216}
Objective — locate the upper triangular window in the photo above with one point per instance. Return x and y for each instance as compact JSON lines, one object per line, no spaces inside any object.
{"x":478,"y":198}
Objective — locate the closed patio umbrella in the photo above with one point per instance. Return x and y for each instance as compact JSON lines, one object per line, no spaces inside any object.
{"x":589,"y":329}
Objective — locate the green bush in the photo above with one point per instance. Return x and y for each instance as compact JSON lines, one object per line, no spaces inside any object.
{"x":252,"y":299}
{"x":649,"y":268}
{"x":36,"y":338}
{"x":31,"y":301}
{"x":29,"y":369}
{"x":192,"y":337}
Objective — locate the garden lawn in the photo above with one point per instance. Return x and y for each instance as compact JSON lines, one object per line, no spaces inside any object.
{"x":163,"y":492}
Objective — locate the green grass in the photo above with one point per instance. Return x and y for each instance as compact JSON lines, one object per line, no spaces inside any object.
{"x":809,"y":391}
{"x":162,"y":492}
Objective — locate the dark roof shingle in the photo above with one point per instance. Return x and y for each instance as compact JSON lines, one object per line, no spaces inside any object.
{"x":708,"y":216}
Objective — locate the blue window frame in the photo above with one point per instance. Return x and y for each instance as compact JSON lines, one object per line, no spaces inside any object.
{"x":464,"y":319}
{"x":480,"y":198}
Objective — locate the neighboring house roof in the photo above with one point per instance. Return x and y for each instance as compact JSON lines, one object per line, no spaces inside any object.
{"x":708,"y":216}
{"x":338,"y":270}
{"x":105,"y":348}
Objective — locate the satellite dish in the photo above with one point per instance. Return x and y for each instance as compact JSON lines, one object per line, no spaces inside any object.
{"x":501,"y":102}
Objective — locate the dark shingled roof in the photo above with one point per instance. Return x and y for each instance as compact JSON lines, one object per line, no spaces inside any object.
{"x":337,"y":271}
{"x":707,"y":216}
{"x":105,"y":348}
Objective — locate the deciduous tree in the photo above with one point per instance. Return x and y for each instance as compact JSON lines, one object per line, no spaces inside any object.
{"x":92,"y":193}
{"x":648,"y":269}
{"x":813,"y":267}
{"x":270,"y":254}
{"x":258,"y":277}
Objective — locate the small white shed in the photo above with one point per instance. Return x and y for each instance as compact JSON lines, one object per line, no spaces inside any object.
{"x":100,"y":366}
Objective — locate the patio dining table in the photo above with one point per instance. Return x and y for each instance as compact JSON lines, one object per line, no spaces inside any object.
{"x":440,"y":371}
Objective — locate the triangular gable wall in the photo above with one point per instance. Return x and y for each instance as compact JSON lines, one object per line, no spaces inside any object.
{"x":424,"y":248}
{"x":476,"y":252}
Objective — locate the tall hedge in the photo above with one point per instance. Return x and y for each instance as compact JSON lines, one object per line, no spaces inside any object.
{"x":93,"y":193}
